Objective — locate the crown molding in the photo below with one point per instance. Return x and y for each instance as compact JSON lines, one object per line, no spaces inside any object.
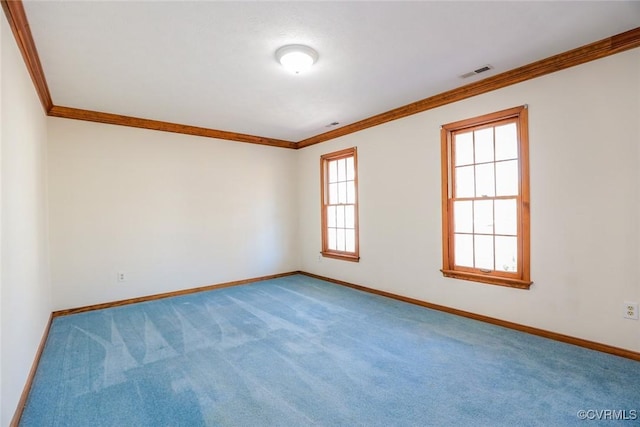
{"x":15,"y":13}
{"x":14,"y":10}
{"x":590,"y":52}
{"x":136,"y":122}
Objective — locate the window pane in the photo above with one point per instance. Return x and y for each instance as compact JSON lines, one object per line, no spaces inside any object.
{"x":331,"y":235}
{"x":350,"y":240}
{"x":351,"y":192}
{"x":483,"y":216}
{"x":351,"y":171}
{"x":333,"y":194}
{"x":506,"y":142}
{"x":506,"y":217}
{"x":464,"y":182}
{"x":484,"y":252}
{"x":463,"y":245}
{"x":463,"y":217}
{"x":464,"y":148}
{"x":350,"y":217}
{"x":340,"y":216}
{"x":340,"y":245}
{"x":485,"y":186}
{"x":333,"y":171}
{"x":506,"y":253}
{"x":484,"y":145}
{"x":342,"y":192}
{"x":342,"y":170}
{"x":507,"y":178}
{"x":331,"y":216}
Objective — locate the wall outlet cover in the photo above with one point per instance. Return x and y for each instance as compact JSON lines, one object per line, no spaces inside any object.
{"x":631,"y":310}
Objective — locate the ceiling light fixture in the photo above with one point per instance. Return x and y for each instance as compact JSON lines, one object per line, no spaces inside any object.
{"x":296,"y":58}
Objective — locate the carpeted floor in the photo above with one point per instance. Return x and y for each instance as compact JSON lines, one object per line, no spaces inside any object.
{"x":297,"y":351}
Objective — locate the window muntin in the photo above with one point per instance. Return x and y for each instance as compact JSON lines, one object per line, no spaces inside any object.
{"x":486,"y":199}
{"x":340,"y":204}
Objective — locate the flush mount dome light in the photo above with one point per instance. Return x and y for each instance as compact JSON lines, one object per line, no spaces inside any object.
{"x":296,"y":58}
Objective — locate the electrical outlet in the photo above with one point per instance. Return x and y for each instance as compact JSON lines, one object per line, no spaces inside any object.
{"x":631,"y":310}
{"x":122,"y":276}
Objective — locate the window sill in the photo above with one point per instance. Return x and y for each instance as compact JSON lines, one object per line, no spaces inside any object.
{"x":342,"y":256}
{"x":490,"y":280}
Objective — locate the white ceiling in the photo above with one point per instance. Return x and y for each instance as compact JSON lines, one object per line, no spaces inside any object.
{"x":212,"y":64}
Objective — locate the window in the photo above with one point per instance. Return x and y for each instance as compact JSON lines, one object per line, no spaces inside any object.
{"x":485,"y":199}
{"x":339,"y":172}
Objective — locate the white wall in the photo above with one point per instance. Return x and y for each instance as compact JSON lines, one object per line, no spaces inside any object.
{"x":171,"y":211}
{"x":585,"y":211}
{"x":24,"y":285}
{"x":1,"y":49}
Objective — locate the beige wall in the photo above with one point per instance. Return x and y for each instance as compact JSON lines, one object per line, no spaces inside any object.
{"x":24,"y":282}
{"x":171,"y":211}
{"x":585,"y":212}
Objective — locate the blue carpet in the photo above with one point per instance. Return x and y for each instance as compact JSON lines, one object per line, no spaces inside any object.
{"x":297,"y":351}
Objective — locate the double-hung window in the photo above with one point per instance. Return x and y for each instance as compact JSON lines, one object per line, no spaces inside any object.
{"x":339,"y":178}
{"x":485,"y":199}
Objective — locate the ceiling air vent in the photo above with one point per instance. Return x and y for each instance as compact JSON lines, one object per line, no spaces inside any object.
{"x":478,"y":71}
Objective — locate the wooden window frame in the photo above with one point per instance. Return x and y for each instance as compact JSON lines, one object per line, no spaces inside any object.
{"x":522,"y":278}
{"x":324,"y":165}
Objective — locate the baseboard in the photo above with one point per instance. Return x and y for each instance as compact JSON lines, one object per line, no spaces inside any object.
{"x":592,"y":345}
{"x":511,"y":325}
{"x":15,"y":421}
{"x":167,"y":294}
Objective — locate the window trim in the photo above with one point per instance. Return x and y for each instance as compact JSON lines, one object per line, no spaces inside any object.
{"x":324,"y":162}
{"x":522,"y":279}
